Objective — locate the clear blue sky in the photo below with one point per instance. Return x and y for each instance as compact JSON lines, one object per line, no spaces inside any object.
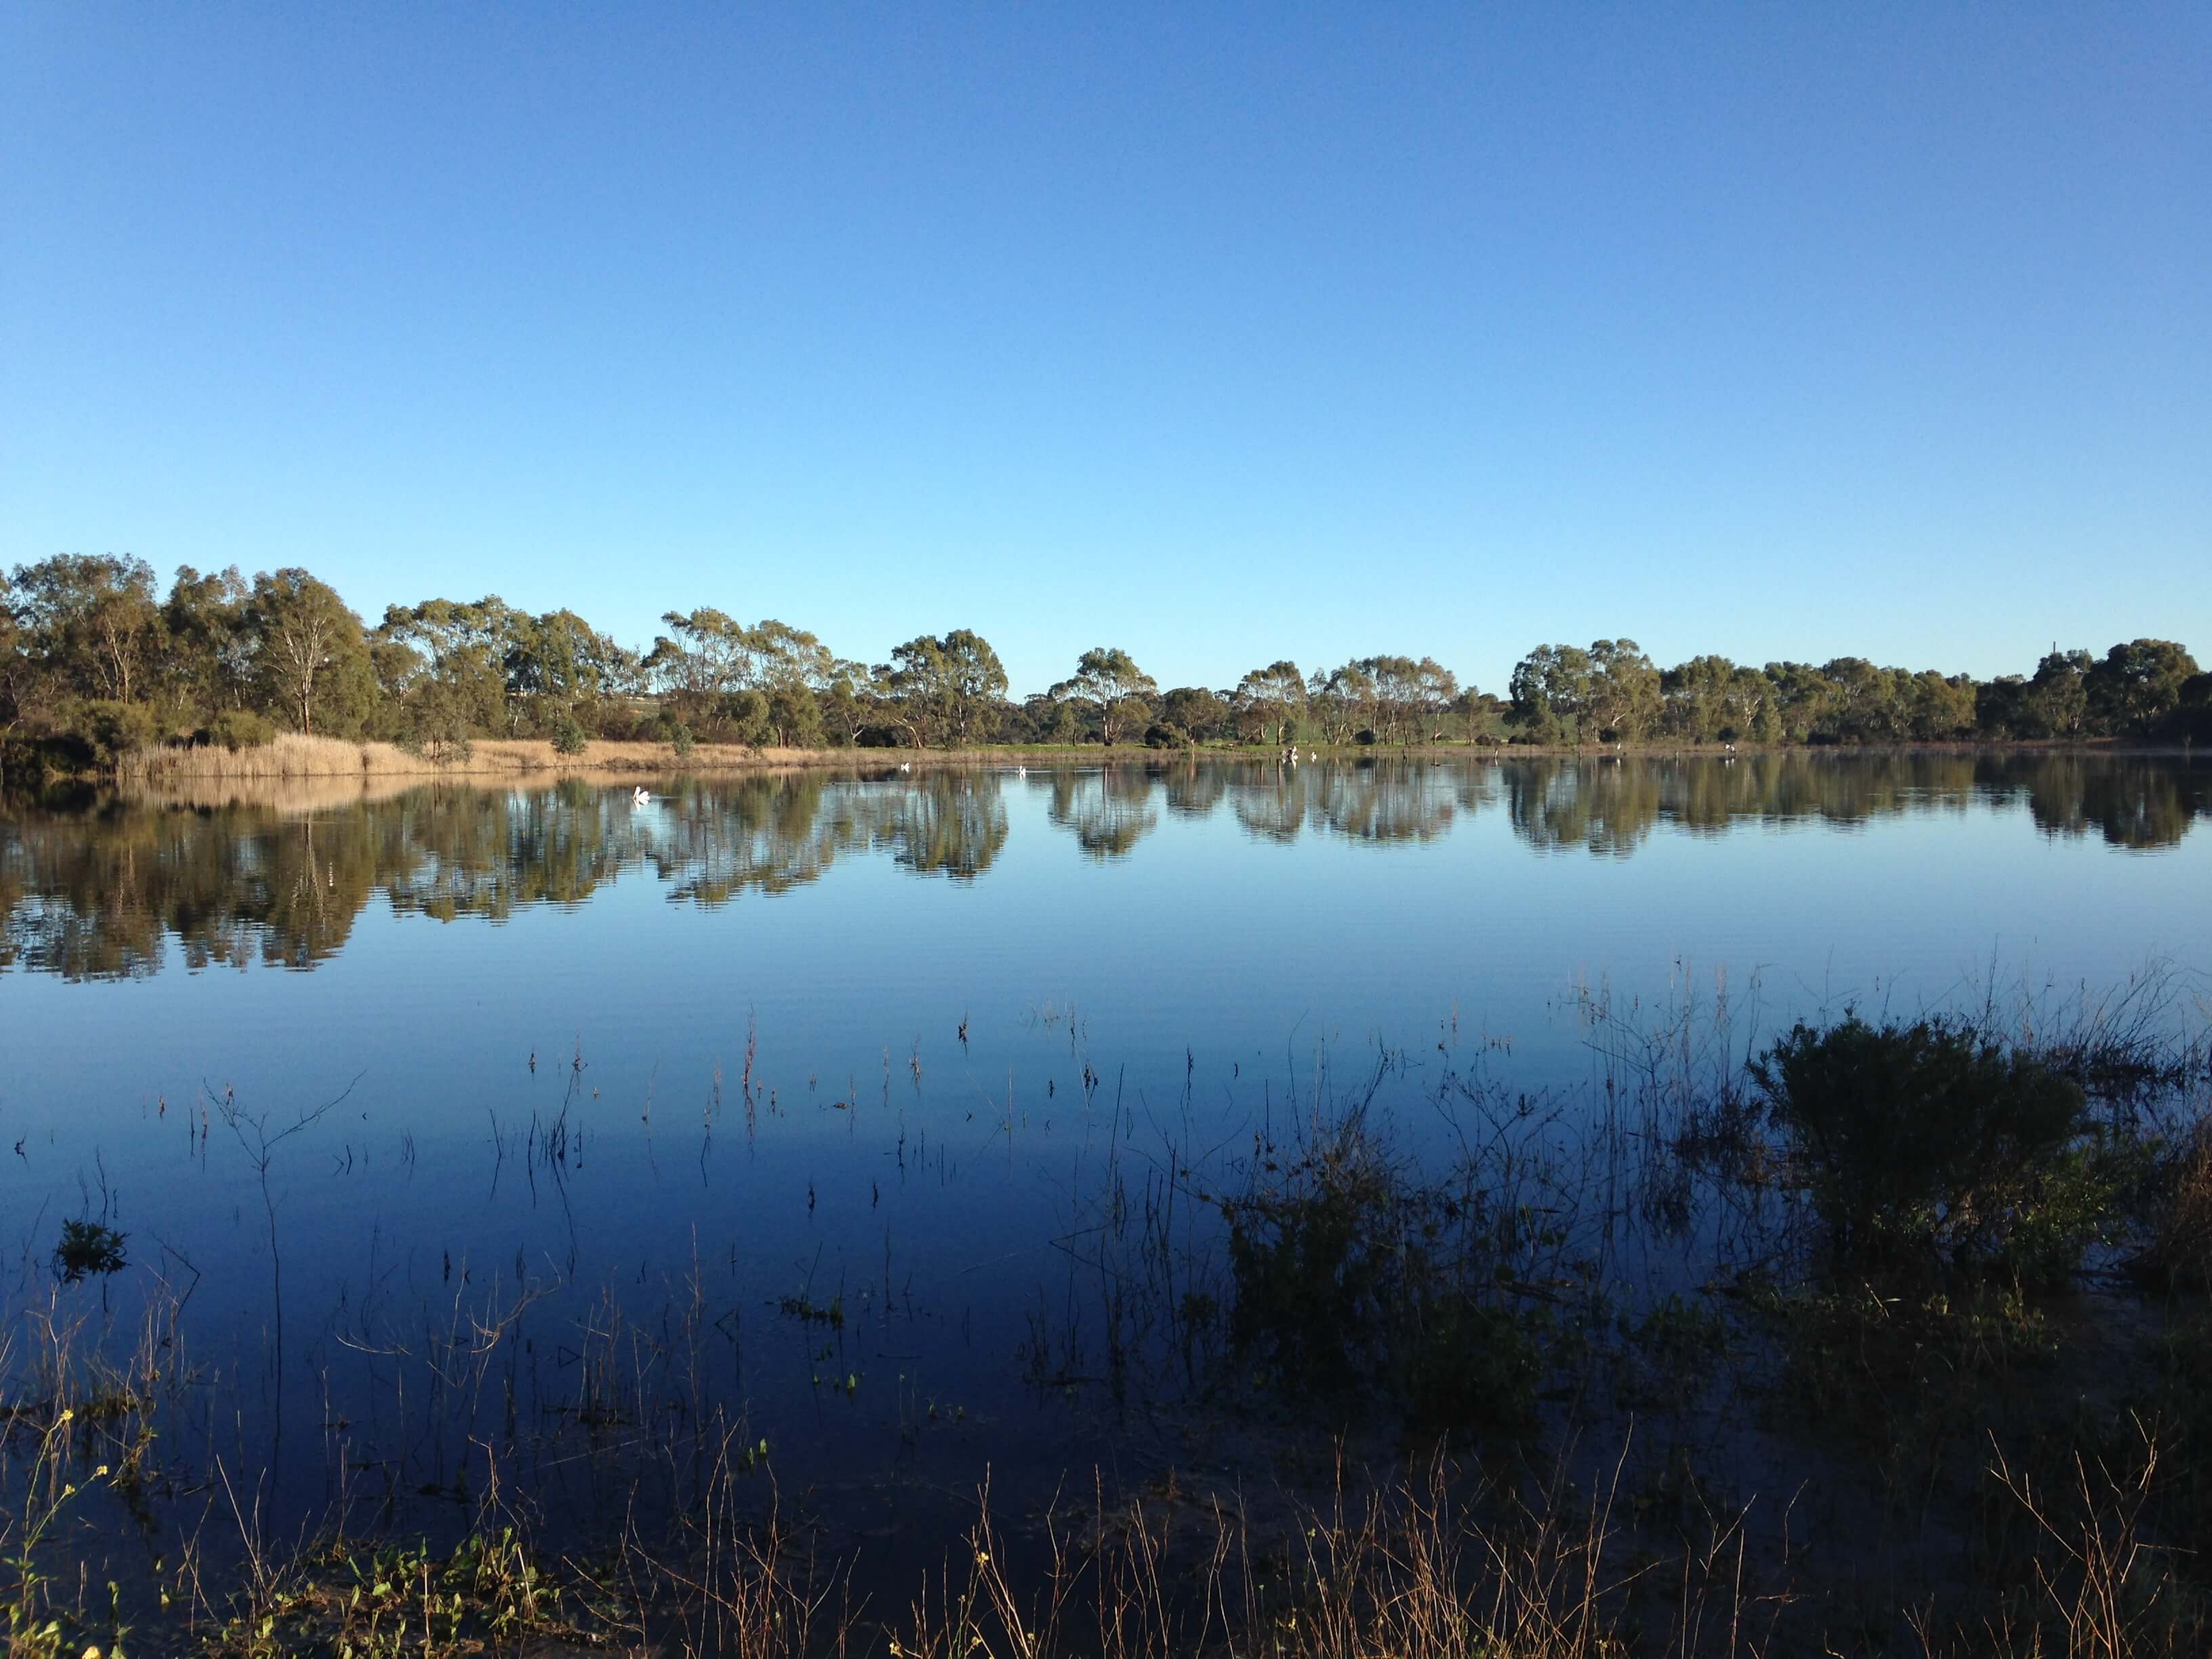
{"x":1223,"y":333}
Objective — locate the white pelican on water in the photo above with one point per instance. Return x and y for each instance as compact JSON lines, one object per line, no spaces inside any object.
{"x":904,"y":766}
{"x":638,"y":797}
{"x":1021,"y":771}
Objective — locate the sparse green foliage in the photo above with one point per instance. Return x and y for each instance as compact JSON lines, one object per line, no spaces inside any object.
{"x":1352,"y":1280}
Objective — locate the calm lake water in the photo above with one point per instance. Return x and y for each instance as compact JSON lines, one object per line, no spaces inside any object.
{"x":767,"y":1043}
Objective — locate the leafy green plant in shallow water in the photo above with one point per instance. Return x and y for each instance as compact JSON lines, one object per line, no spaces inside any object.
{"x":88,"y":1248}
{"x":1931,"y":1146}
{"x":1355,"y":1283}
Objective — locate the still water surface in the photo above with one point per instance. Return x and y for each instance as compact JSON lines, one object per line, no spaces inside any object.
{"x":870,"y":1035}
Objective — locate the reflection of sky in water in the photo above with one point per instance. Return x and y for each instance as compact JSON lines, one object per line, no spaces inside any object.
{"x":1215,"y":914}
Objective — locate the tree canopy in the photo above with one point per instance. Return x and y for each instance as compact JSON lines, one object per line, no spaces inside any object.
{"x":90,"y":647}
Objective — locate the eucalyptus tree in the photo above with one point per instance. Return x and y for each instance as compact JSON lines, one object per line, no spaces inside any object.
{"x":310,"y":658}
{"x":944,"y":692}
{"x":846,"y":707}
{"x":708,"y":660}
{"x":1624,"y":690}
{"x":1699,"y":699}
{"x":1051,"y":720}
{"x":466,"y":647}
{"x":558,"y":665}
{"x":89,"y":626}
{"x":2134,"y":685}
{"x":209,"y":657}
{"x":1481,"y":713}
{"x":1393,"y":696}
{"x":1401,"y":699}
{"x":14,"y":664}
{"x":794,"y":716}
{"x":1804,"y":700}
{"x":2057,"y":696}
{"x":1274,"y":696}
{"x":2005,"y":708}
{"x":1108,"y":679}
{"x":1551,"y":692}
{"x":1193,"y":710}
{"x":1435,"y":693}
{"x":696,"y":661}
{"x":1341,"y":701}
{"x":1938,"y":708}
{"x":2192,"y":715}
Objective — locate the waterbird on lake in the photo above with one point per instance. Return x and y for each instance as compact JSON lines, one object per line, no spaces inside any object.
{"x":638,"y":795}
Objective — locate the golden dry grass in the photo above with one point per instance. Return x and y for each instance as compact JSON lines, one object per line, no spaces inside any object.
{"x":295,"y":755}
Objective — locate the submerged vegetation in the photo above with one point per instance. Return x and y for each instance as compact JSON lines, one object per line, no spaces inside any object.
{"x":88,"y":1248}
{"x":1932,"y":1148}
{"x":96,"y":666}
{"x":1872,"y":1336}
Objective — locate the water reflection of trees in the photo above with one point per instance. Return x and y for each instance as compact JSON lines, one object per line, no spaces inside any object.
{"x":1609,"y":808}
{"x":1384,"y":800}
{"x":1109,"y":812}
{"x":949,"y":823}
{"x":106,"y":894}
{"x":111,"y":891}
{"x":770,"y":834}
{"x":1390,"y":800}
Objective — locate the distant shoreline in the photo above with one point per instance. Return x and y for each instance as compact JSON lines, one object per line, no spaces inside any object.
{"x":327,"y":760}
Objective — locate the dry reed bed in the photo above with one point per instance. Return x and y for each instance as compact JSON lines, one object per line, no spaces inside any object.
{"x":296,"y":755}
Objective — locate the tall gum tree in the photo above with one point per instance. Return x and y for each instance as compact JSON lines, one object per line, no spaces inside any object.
{"x":311,"y":657}
{"x":1108,"y":677}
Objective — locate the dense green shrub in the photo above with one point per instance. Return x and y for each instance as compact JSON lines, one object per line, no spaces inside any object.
{"x":1165,"y":734}
{"x":117,"y":728}
{"x":237,"y":728}
{"x":1931,"y":1145}
{"x":569,"y":737}
{"x":681,"y":740}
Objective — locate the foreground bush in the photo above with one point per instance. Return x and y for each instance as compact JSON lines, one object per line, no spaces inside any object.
{"x":1930,"y":1145}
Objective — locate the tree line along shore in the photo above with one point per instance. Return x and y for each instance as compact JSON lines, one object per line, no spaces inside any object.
{"x":102,"y":672}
